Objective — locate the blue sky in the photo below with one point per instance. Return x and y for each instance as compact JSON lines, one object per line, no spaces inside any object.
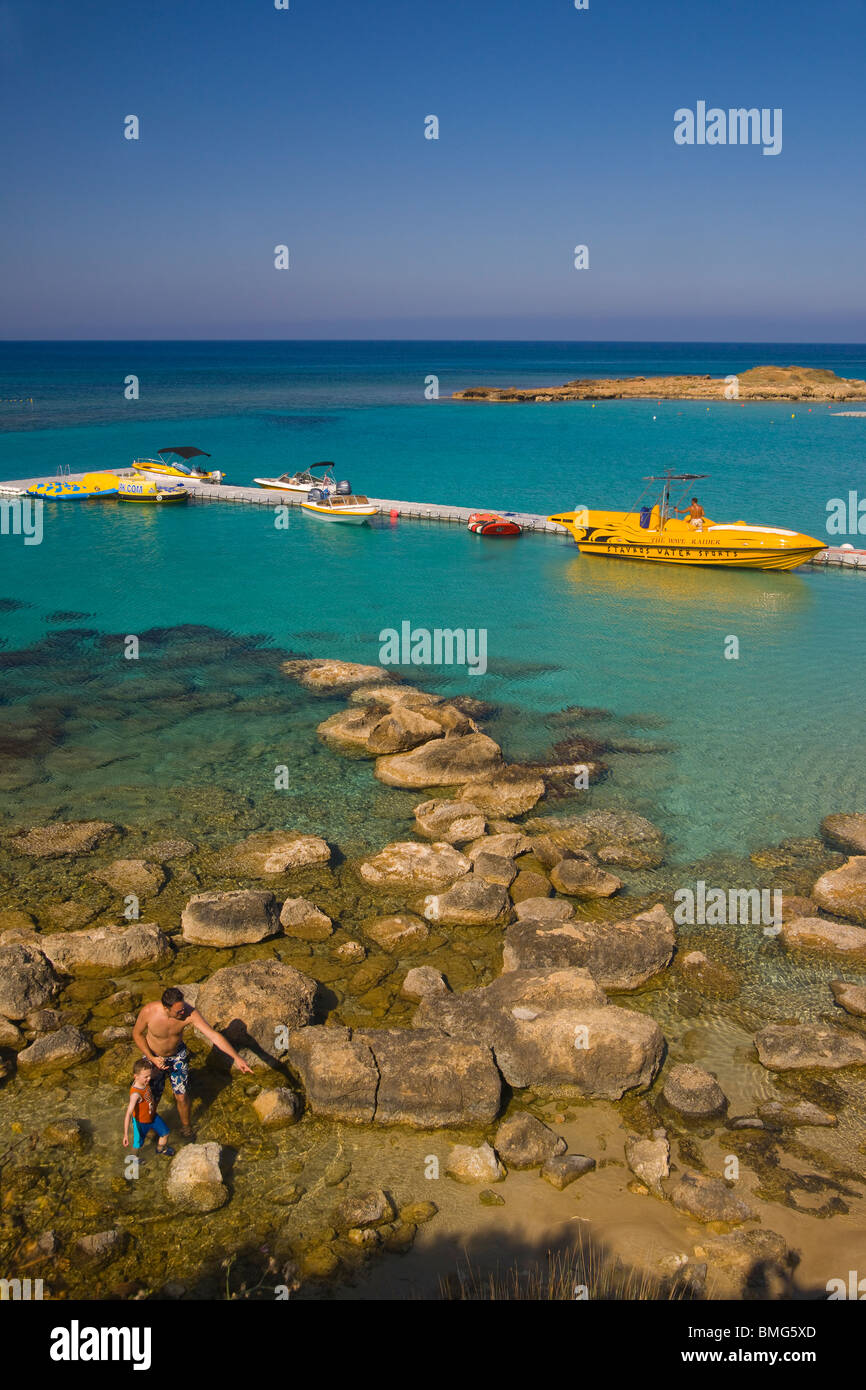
{"x":306,"y":127}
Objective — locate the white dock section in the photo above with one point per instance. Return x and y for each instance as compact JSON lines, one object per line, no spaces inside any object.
{"x":848,"y":558}
{"x":421,"y":511}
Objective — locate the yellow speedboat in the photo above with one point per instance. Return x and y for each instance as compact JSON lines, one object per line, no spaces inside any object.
{"x":174,"y":463}
{"x":146,"y":490}
{"x":653,"y":533}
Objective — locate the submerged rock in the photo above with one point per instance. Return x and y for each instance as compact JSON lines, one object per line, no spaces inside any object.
{"x":235,"y":918}
{"x":454,"y":822}
{"x":709,"y":977}
{"x":471,"y":902}
{"x":374,"y":731}
{"x":27,"y":980}
{"x":553,"y":1030}
{"x":777,"y":1114}
{"x":277,"y":1107}
{"x":55,"y":1051}
{"x":816,"y":934}
{"x":524,"y":1142}
{"x":137,"y":876}
{"x":845,"y":832}
{"x":649,"y":1159}
{"x":562,"y":1170}
{"x":579,"y":879}
{"x":11,"y":1035}
{"x":850,"y":997}
{"x":447,"y":761}
{"x":790,"y":1046}
{"x":748,"y":1263}
{"x":504,"y":845}
{"x":415,"y":1077}
{"x":495,"y":868}
{"x":102,"y":1247}
{"x":409,"y":864}
{"x":402,"y":931}
{"x":368,"y":1209}
{"x":843,"y":891}
{"x":390,"y":695}
{"x":468,"y":1164}
{"x":707,"y":1199}
{"x":66,"y":1134}
{"x":12,"y":919}
{"x":323,"y":677}
{"x":62,"y":837}
{"x":303,"y":919}
{"x":424,"y":982}
{"x":538,"y":910}
{"x":508,"y":792}
{"x":195,"y":1182}
{"x":693,"y":1092}
{"x":616,"y":837}
{"x":531,"y":887}
{"x":276,"y":852}
{"x":107,"y":950}
{"x":254,"y":1004}
{"x":619,"y":955}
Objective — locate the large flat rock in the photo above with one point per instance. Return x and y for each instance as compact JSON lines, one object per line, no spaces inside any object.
{"x":619,"y":955}
{"x":791,"y":1046}
{"x":238,"y":917}
{"x":553,"y":1030}
{"x":255,"y":1004}
{"x":410,"y":864}
{"x":843,"y":891}
{"x":416,"y":1077}
{"x":443,"y":762}
{"x":110,"y":950}
{"x":27,"y":980}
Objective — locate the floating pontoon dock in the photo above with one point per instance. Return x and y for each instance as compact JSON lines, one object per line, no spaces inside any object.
{"x":416,"y":511}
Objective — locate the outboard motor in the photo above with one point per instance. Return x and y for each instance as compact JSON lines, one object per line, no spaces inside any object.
{"x":344,"y":489}
{"x":315,"y":494}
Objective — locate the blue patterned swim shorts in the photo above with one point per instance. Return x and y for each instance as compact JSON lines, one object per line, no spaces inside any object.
{"x":177,"y":1074}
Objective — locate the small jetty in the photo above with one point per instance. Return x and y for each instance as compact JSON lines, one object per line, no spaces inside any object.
{"x":845,"y":557}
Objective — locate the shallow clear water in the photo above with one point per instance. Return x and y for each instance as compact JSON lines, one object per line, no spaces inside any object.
{"x":757,"y":748}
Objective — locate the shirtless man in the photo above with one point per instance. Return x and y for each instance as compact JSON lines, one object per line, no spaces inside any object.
{"x":695,"y":514}
{"x":158,"y":1032}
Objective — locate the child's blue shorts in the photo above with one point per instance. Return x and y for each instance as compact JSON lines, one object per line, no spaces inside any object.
{"x":140,"y":1132}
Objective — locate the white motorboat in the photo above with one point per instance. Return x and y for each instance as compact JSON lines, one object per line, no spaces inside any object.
{"x":302,"y":482}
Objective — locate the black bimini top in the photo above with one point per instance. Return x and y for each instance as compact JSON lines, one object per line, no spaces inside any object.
{"x":675,"y":477}
{"x":185,"y":451}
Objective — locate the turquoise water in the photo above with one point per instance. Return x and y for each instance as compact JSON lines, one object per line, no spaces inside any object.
{"x":749,"y":750}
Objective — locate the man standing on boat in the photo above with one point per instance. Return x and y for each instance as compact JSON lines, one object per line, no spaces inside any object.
{"x":158,"y":1032}
{"x":695,"y":513}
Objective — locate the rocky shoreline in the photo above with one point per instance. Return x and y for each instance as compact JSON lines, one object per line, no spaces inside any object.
{"x":755,"y":384}
{"x":455,"y":986}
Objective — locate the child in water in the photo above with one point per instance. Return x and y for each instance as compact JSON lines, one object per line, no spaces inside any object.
{"x":142,"y":1111}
